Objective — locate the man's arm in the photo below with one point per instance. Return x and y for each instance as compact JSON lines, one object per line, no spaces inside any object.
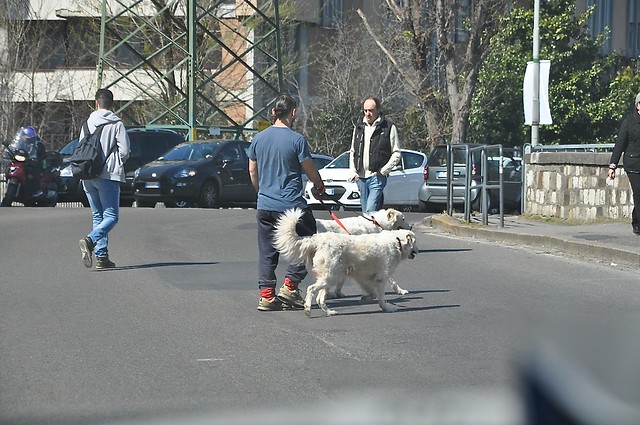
{"x":253,"y":173}
{"x":352,"y":163}
{"x":396,"y":154}
{"x":310,"y":170}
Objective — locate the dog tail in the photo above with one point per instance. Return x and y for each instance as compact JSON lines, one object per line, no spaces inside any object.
{"x":292,"y":246}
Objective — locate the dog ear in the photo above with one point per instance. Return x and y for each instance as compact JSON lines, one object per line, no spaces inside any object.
{"x":390,"y":214}
{"x":410,"y":239}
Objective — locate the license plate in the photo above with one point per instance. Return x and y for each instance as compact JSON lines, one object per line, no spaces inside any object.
{"x":443,"y":174}
{"x":152,"y":185}
{"x":330,"y":191}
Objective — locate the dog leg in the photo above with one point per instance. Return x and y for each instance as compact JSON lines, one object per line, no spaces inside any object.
{"x":320,"y":300}
{"x":311,"y":292}
{"x":385,"y":306}
{"x":338,"y":292}
{"x":396,"y":288}
{"x":318,"y":291}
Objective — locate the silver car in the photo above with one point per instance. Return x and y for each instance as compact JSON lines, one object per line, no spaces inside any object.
{"x":433,"y":193}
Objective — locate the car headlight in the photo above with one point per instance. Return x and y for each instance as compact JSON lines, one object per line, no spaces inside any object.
{"x":66,"y":172}
{"x":184,"y":173}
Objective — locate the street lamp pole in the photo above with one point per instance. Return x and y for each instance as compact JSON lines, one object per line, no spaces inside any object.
{"x":535,"y":116}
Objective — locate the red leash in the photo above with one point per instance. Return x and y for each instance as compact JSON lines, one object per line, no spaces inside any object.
{"x":333,"y":216}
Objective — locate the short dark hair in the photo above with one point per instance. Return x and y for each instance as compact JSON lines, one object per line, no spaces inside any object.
{"x":283,"y":105}
{"x":375,"y":100}
{"x":104,"y":97}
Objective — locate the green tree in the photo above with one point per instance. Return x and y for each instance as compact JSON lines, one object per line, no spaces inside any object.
{"x":587,"y":96}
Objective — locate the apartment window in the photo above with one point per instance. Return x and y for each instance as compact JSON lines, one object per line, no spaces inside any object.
{"x":330,"y":12}
{"x":633,"y":42}
{"x":601,"y":20}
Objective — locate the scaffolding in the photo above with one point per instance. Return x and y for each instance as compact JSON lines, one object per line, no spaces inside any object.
{"x":203,"y":67}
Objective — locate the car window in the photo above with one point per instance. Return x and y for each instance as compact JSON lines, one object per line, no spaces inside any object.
{"x":438,"y":157}
{"x":149,"y":145}
{"x":179,"y":153}
{"x":411,"y":160}
{"x":321,"y":162}
{"x":342,"y":161}
{"x":69,"y":147}
{"x":231,"y":152}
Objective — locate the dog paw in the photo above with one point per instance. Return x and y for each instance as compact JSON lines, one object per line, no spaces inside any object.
{"x":389,"y":308}
{"x":331,"y":312}
{"x":339,"y":294}
{"x":401,"y":291}
{"x":367,"y":298}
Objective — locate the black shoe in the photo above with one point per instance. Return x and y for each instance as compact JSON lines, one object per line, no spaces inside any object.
{"x":636,"y":229}
{"x":103,"y":262}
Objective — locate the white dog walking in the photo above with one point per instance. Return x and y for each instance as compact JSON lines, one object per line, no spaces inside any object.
{"x":369,"y":259}
{"x":373,"y":222}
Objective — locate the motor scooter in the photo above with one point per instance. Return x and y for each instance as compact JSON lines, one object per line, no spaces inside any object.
{"x":24,"y":166}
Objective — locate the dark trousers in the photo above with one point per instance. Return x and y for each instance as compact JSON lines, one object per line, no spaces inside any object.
{"x":267,"y":253}
{"x":634,"y":180}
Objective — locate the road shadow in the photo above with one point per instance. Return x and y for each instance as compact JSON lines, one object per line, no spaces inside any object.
{"x":433,"y":251}
{"x":317,"y":313}
{"x":157,"y":265}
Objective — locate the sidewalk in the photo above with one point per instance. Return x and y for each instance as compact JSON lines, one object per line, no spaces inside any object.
{"x":610,"y":242}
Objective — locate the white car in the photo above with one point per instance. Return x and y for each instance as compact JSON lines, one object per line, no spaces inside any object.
{"x":401,"y":191}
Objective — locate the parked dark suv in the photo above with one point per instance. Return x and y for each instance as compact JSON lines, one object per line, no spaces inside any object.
{"x":433,"y":193}
{"x":145,"y":145}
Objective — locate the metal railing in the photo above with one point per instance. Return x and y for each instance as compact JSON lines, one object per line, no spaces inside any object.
{"x":484,"y":184}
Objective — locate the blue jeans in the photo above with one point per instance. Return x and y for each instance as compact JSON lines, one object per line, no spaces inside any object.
{"x":269,"y":255}
{"x":104,"y":200}
{"x":371,"y":192}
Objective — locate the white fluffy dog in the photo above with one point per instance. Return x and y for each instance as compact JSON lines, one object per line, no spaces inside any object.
{"x":373,"y":222}
{"x":369,"y":259}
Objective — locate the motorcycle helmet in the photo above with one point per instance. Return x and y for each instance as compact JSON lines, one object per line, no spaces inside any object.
{"x":29,"y":133}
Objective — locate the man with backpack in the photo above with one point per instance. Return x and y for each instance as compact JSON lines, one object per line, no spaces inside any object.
{"x":103,"y":191}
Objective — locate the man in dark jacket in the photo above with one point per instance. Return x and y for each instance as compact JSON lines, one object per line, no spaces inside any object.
{"x":375,"y":150}
{"x":628,"y":142}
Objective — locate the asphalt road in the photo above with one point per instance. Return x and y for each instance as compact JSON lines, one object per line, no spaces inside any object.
{"x":174,"y":330}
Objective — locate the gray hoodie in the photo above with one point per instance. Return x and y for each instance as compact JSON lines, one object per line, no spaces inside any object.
{"x":114,"y":167}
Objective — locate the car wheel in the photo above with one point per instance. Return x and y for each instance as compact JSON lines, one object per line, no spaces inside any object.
{"x":126,"y":203}
{"x":428,"y":207}
{"x":208,"y":195}
{"x":177,"y":204}
{"x":477,"y":204}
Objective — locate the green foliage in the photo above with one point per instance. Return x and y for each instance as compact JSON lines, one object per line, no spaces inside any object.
{"x":412,"y":129}
{"x":587,"y":98}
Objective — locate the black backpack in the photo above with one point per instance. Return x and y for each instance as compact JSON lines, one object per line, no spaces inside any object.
{"x":88,"y":158}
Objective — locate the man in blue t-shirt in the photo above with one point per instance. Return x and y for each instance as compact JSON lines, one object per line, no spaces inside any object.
{"x":277,"y":156}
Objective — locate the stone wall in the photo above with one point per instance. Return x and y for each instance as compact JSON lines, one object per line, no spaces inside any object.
{"x":575,"y":186}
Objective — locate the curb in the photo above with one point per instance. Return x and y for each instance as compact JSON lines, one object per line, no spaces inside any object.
{"x":581,"y":250}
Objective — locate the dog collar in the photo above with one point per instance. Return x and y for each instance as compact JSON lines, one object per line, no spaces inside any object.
{"x":374,"y":221}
